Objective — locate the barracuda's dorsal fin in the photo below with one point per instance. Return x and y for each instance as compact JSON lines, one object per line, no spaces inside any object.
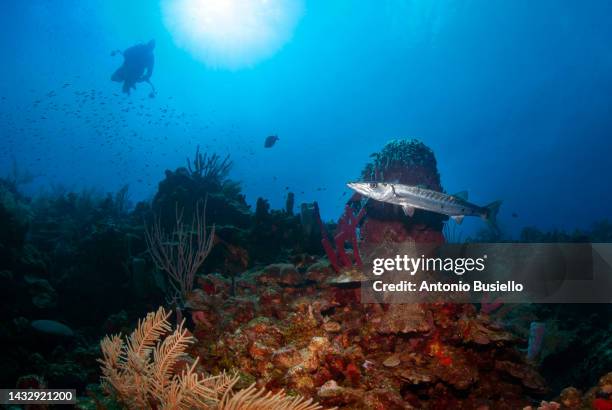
{"x":408,"y":210}
{"x":461,"y":195}
{"x":458,"y":218}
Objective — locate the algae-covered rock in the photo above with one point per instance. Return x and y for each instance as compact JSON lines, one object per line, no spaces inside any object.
{"x":315,"y":353}
{"x":348,"y":276}
{"x":331,"y":393}
{"x":287,"y":357}
{"x":392,"y":361}
{"x":284,"y":274}
{"x":332,"y":327}
{"x":387,"y":399}
{"x":453,"y":367}
{"x":527,"y":375}
{"x":402,"y":318}
{"x":415,"y":375}
{"x":570,"y":398}
{"x":319,"y":272}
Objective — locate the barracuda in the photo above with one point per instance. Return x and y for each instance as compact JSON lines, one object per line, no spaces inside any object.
{"x":413,"y":197}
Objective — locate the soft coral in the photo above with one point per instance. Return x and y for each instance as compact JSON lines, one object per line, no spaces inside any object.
{"x":345,"y":232}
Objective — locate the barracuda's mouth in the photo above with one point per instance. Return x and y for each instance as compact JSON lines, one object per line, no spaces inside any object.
{"x":361,"y":188}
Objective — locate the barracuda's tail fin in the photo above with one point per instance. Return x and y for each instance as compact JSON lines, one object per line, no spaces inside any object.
{"x":491,"y":213}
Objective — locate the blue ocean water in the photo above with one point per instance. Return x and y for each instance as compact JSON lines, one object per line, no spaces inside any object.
{"x":512,"y":96}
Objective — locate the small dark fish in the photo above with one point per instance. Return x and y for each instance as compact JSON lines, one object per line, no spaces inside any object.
{"x":270,"y":141}
{"x":514,"y":215}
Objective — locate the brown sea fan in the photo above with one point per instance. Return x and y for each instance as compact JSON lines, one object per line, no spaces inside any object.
{"x":140,"y":371}
{"x":252,"y":398}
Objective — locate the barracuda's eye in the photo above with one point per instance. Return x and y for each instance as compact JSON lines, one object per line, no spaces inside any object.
{"x":373,"y":184}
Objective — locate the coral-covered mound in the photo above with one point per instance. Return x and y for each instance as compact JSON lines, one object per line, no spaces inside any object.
{"x":408,"y":162}
{"x":288,"y":329}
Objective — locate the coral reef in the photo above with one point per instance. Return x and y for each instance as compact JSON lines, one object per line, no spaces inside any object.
{"x":258,"y":237}
{"x":598,"y":397}
{"x":207,"y":181}
{"x":320,"y":341}
{"x":267,"y":305}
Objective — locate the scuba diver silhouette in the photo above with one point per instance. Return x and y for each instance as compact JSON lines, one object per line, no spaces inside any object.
{"x":137,"y":67}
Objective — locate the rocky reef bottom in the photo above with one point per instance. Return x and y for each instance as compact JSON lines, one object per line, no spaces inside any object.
{"x":294,"y":327}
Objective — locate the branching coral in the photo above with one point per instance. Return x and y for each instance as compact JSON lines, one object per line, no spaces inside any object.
{"x":141,"y":372}
{"x":252,"y":398}
{"x":181,"y":253}
{"x":209,"y":167}
{"x":345,"y":232}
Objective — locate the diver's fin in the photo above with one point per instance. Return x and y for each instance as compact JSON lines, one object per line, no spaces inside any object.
{"x":408,"y":210}
{"x":491,"y":212}
{"x":462,"y":195}
{"x":458,"y":218}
